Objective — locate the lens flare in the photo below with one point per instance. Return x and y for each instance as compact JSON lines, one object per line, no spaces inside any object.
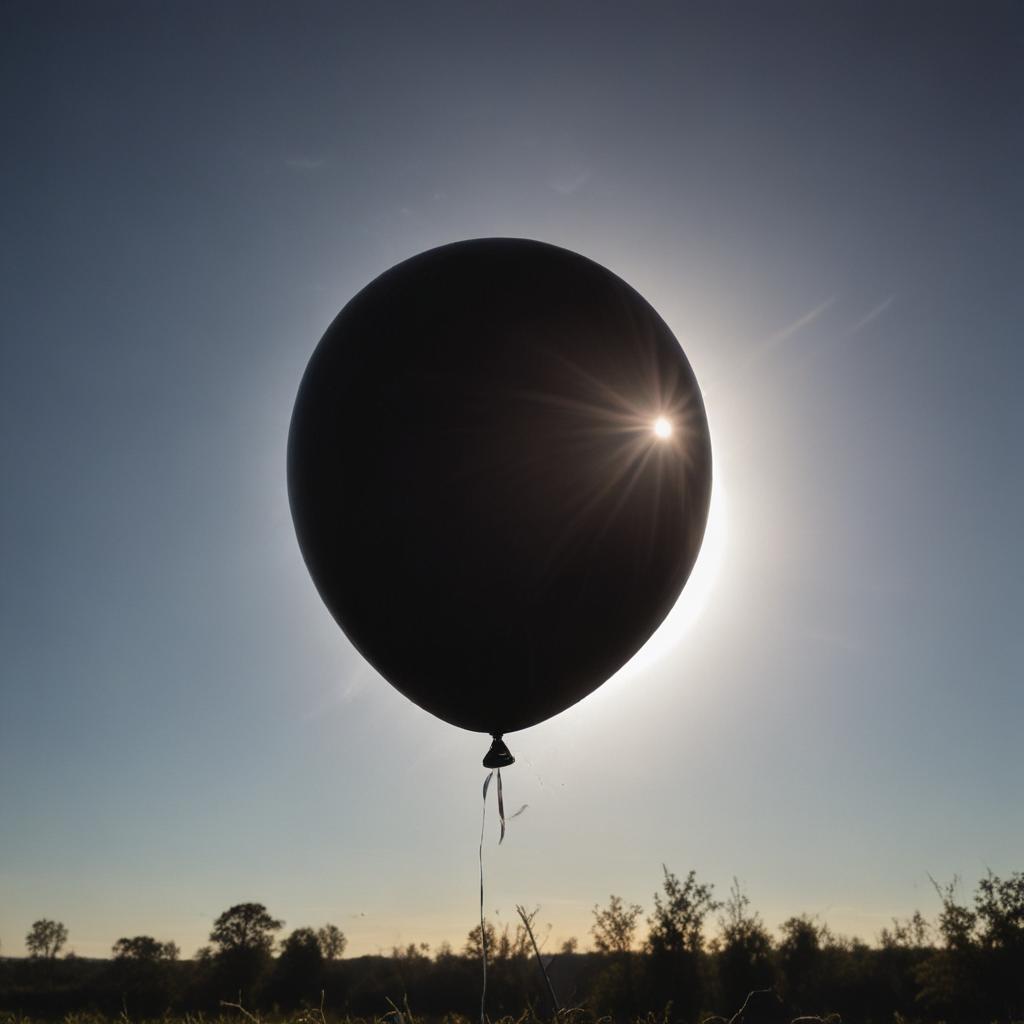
{"x":662,"y":428}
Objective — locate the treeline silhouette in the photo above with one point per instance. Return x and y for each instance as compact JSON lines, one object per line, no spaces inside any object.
{"x":967,"y":966}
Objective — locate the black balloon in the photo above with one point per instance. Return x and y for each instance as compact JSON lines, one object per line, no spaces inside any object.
{"x":479,"y":481}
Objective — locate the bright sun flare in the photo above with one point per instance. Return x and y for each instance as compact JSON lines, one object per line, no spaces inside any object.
{"x":662,"y":427}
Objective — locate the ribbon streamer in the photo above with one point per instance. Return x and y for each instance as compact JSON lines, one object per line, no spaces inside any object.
{"x":501,"y":809}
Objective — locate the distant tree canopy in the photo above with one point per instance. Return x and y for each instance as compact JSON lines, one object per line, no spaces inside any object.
{"x":332,"y":941}
{"x":303,"y":943}
{"x":474,"y":947}
{"x":46,"y":939}
{"x":745,"y":949}
{"x":245,"y":926}
{"x":675,"y":942}
{"x":965,"y":965}
{"x":677,"y":926}
{"x":144,"y":949}
{"x":801,"y":958}
{"x":980,"y":962}
{"x":508,"y":944}
{"x":244,"y":937}
{"x":298,"y":973}
{"x":615,"y":926}
{"x":909,"y":934}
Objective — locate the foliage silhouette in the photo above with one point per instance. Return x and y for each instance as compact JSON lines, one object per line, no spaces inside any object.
{"x":967,"y":967}
{"x":245,"y":926}
{"x":142,"y":974}
{"x":801,"y":959}
{"x":244,"y":937}
{"x":144,"y":949}
{"x":299,"y":970}
{"x":46,"y":939}
{"x":613,"y":931}
{"x":332,"y":941}
{"x":675,"y":943}
{"x":615,"y":926}
{"x":744,"y":950}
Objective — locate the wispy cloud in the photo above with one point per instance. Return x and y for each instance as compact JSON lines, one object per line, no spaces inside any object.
{"x":567,"y":184}
{"x":872,"y":314}
{"x":808,"y":318}
{"x":768,"y":344}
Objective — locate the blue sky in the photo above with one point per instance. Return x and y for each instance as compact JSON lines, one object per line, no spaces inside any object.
{"x":824,"y":203}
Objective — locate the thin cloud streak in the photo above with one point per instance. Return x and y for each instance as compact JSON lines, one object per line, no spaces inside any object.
{"x":776,"y":338}
{"x":808,"y":318}
{"x":567,"y":185}
{"x":872,"y":314}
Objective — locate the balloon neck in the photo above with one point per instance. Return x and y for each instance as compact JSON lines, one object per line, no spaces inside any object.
{"x":499,"y":756}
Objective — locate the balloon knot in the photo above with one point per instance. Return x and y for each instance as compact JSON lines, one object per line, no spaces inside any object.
{"x":499,"y":756}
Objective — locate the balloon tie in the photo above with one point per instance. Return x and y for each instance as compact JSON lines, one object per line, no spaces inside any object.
{"x":499,"y":756}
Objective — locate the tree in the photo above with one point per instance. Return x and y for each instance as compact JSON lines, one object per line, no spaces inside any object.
{"x":473,"y":945}
{"x":46,"y":939}
{"x":676,"y":941}
{"x":144,"y":949}
{"x":745,"y":956}
{"x":956,"y":921}
{"x":142,"y":971}
{"x":950,"y":979}
{"x":243,"y":935}
{"x":801,"y":960}
{"x":999,"y":913}
{"x":412,"y":953}
{"x":909,"y":934}
{"x":614,"y":927}
{"x":245,"y":926}
{"x":678,"y":922}
{"x":613,"y":931}
{"x":332,"y":941}
{"x":298,"y":974}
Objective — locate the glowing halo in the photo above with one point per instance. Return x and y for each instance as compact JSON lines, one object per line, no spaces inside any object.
{"x":694,"y":597}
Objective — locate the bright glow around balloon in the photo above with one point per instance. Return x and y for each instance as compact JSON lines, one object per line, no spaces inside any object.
{"x":694,"y":598}
{"x":662,"y":428}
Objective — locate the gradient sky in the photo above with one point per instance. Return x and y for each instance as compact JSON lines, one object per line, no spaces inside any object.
{"x":823,"y":200}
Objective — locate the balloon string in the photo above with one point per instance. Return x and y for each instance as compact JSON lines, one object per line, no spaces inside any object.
{"x":501,"y":839}
{"x":483,"y":930}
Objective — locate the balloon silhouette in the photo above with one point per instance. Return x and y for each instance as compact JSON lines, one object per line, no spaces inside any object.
{"x":499,"y":471}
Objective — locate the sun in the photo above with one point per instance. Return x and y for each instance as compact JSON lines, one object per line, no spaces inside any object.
{"x":662,"y":427}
